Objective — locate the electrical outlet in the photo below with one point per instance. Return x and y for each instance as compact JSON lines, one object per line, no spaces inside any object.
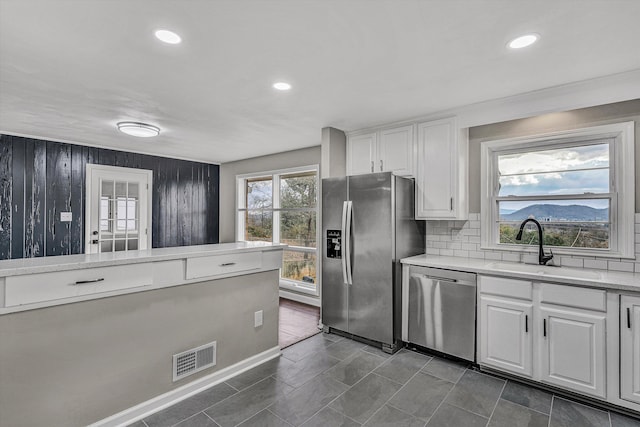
{"x":257,"y":318}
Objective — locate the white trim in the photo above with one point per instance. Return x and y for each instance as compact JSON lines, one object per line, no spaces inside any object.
{"x":305,"y":299}
{"x":623,"y":173}
{"x":144,"y":409}
{"x":104,"y":147}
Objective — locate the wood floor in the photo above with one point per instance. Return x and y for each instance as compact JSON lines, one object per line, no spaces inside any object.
{"x":297,"y":322}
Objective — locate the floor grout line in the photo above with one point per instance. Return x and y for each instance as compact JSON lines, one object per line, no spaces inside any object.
{"x":497,"y":401}
{"x":214,"y":421}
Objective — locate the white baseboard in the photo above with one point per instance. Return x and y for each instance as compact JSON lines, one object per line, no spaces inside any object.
{"x":172,"y":397}
{"x":305,"y":299}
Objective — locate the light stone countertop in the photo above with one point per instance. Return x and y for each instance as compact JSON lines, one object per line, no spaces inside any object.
{"x":603,"y":279}
{"x":16,"y":267}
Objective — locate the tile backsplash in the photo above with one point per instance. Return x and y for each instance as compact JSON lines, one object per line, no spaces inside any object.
{"x":462,"y":239}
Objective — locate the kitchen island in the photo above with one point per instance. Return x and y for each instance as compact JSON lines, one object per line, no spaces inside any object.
{"x":91,"y":338}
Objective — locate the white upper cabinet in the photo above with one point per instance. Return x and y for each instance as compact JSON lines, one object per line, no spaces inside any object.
{"x":630,"y":349}
{"x":361,"y":153}
{"x":396,"y":150}
{"x":441,"y":183}
{"x":388,"y":150}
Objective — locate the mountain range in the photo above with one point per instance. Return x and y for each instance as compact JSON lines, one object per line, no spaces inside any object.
{"x":548,"y":212}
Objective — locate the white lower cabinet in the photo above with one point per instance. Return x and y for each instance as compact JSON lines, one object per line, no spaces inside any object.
{"x":572,"y":349}
{"x":549,"y":333}
{"x":505,"y":331}
{"x":630,"y":348}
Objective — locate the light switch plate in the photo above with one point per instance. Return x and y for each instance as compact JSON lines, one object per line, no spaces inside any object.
{"x":66,"y":216}
{"x":257,"y":318}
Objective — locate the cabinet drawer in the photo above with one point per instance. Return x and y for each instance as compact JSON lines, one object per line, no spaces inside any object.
{"x":573,"y":296}
{"x":33,"y":288}
{"x":222,"y":264}
{"x":514,"y":288}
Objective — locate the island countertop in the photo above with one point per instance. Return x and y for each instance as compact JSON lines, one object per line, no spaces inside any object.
{"x":33,"y":283}
{"x":16,"y":267}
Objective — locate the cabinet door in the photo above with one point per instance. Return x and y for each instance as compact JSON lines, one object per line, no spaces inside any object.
{"x":437,"y":177}
{"x":505,"y":339}
{"x":395,"y":151}
{"x":572,"y":350}
{"x":630,"y":349}
{"x":361,"y":154}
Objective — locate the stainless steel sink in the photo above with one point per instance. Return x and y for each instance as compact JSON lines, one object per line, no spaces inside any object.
{"x":546,"y":270}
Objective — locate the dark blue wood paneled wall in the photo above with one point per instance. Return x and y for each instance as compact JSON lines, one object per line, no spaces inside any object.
{"x":39,"y":179}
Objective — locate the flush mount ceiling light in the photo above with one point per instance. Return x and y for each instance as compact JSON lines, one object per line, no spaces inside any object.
{"x":523,"y":41}
{"x":281,"y":86}
{"x":168,"y":36}
{"x":141,"y":130}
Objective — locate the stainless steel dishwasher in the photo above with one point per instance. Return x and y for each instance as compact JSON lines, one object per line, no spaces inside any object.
{"x":439,"y":310}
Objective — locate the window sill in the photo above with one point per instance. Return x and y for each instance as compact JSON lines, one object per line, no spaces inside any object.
{"x":299,"y":287}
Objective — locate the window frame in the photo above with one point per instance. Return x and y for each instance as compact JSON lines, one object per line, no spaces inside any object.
{"x":620,"y":137}
{"x":241,"y":209}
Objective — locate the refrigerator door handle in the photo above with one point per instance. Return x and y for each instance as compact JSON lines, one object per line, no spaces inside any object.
{"x":347,"y":239}
{"x":344,"y":242}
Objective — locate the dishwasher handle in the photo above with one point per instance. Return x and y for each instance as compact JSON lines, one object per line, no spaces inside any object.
{"x":448,"y":280}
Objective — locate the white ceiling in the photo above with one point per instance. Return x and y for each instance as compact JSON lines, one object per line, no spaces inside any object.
{"x":70,"y":70}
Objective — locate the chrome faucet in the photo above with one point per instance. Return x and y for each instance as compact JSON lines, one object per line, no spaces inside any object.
{"x":542,"y":258}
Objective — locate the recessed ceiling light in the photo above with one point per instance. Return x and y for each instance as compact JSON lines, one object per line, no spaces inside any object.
{"x":141,"y":130}
{"x":168,"y":36}
{"x":282,"y":86}
{"x":523,"y":41}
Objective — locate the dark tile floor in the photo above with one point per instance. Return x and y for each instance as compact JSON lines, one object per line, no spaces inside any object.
{"x":327,"y":380}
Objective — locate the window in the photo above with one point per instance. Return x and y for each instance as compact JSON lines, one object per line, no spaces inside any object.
{"x":282,"y":207}
{"x":578,"y":184}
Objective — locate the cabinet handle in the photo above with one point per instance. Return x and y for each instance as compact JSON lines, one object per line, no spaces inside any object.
{"x":84,"y":282}
{"x":628,"y":317}
{"x":227,"y":264}
{"x":544,"y":327}
{"x":451,"y":204}
{"x":526,"y":323}
{"x":380,"y":165}
{"x":371,"y":165}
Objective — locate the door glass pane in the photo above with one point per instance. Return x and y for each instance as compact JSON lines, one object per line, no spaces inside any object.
{"x":298,"y":228}
{"x":300,"y":266}
{"x":120,"y":245}
{"x":106,"y":246}
{"x":259,"y":193}
{"x":299,"y":190}
{"x":259,"y":225}
{"x":132,"y":244}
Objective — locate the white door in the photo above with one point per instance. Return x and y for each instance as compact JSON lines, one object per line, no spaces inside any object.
{"x":118,"y":211}
{"x":505,"y":334}
{"x":630,"y":349}
{"x":395,"y":151}
{"x":572,"y":350}
{"x":361,"y":154}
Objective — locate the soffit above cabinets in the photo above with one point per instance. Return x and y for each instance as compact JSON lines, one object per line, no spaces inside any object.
{"x":71,"y":70}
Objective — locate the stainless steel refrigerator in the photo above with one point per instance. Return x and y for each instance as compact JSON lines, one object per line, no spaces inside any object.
{"x":368,"y":225}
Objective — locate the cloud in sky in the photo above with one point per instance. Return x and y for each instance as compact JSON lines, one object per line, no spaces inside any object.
{"x":558,"y":171}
